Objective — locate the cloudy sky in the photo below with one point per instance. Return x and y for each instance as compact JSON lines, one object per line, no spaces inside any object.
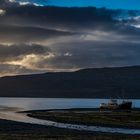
{"x":38,"y":36}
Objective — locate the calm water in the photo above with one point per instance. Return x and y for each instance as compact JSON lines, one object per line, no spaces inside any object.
{"x":54,"y":103}
{"x":10,"y":106}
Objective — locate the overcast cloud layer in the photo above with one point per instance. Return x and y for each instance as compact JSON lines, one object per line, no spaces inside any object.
{"x":35,"y":39}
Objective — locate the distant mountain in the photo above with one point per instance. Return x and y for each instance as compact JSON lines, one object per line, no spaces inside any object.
{"x":86,"y":83}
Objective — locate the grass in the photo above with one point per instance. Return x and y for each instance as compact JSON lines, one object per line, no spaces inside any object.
{"x":118,"y":119}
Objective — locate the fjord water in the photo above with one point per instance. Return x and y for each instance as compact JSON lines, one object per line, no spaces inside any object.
{"x":55,"y":103}
{"x":10,"y":106}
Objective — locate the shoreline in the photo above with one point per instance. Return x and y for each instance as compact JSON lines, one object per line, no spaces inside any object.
{"x":12,"y":130}
{"x":94,"y":110}
{"x":13,"y":127}
{"x":71,"y":109}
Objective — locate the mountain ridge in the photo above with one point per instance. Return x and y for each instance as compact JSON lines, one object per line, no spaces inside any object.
{"x":85,"y":83}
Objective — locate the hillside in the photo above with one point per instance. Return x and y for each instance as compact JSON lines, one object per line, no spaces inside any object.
{"x":86,"y":83}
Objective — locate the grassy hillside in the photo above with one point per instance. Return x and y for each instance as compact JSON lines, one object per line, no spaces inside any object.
{"x":87,"y":83}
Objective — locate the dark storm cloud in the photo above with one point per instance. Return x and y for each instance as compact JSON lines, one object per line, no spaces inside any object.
{"x":60,"y":18}
{"x":75,"y":38}
{"x":69,"y":18}
{"x":34,"y":23}
{"x":21,"y":34}
{"x":95,"y":54}
{"x":29,"y":23}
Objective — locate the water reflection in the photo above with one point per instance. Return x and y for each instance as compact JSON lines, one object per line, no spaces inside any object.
{"x":10,"y":106}
{"x":54,"y":103}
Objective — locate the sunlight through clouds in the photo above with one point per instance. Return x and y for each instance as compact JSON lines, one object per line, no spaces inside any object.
{"x":2,"y":12}
{"x":36,"y":38}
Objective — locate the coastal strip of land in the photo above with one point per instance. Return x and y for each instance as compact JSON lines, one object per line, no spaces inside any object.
{"x":90,"y":117}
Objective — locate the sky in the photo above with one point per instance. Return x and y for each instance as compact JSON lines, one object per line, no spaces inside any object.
{"x":38,"y":39}
{"x":112,"y":4}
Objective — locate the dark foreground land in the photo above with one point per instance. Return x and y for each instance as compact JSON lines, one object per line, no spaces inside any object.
{"x":10,"y":130}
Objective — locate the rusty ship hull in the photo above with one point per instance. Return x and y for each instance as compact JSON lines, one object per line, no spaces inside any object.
{"x":125,"y":105}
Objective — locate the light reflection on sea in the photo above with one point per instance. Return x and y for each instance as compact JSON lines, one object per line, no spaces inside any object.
{"x":10,"y":106}
{"x":54,"y":103}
